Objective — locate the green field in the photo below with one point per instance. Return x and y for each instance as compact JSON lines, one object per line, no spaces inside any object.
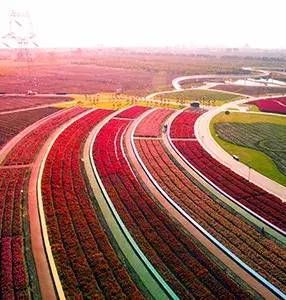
{"x":205,"y":97}
{"x":254,"y":158}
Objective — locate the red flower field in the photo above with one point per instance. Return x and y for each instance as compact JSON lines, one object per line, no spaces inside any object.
{"x":24,"y":152}
{"x":18,"y":102}
{"x":262,"y":254}
{"x":151,"y":126}
{"x":14,"y":278}
{"x":87,"y":264}
{"x":266,"y":205}
{"x":183,"y":125}
{"x":14,"y":123}
{"x":273,"y":105}
{"x":185,"y":267}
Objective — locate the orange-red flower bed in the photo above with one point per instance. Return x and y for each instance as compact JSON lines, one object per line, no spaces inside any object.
{"x":262,"y":254}
{"x":88,"y":266}
{"x":187,"y":270}
{"x":25,"y":151}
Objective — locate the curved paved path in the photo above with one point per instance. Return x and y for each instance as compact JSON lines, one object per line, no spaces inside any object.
{"x":191,"y":227}
{"x":177,"y":81}
{"x":203,"y":134}
{"x":45,"y":267}
{"x":148,"y":275}
{"x":39,"y":235}
{"x":217,"y":192}
{"x":46,"y":281}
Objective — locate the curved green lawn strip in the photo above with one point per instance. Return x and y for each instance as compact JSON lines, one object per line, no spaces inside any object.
{"x":267,"y":138}
{"x":148,"y":275}
{"x":254,"y":159}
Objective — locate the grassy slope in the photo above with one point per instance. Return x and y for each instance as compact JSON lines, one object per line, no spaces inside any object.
{"x":216,"y":98}
{"x":252,"y":158}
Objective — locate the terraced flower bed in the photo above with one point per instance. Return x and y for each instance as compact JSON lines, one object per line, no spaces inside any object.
{"x":265,"y":137}
{"x":25,"y":151}
{"x":17,"y":102}
{"x":15,"y":282}
{"x":273,"y":105}
{"x":262,"y":254}
{"x":151,"y":126}
{"x":14,"y":123}
{"x":87,"y":264}
{"x":172,"y":252}
{"x":183,"y":124}
{"x":132,"y":112}
{"x":264,"y":204}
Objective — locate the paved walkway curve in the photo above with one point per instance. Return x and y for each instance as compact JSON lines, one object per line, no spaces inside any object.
{"x":177,"y":81}
{"x":39,"y":234}
{"x":204,"y":136}
{"x":45,"y":279}
{"x":151,"y":279}
{"x":216,"y":191}
{"x":224,"y":255}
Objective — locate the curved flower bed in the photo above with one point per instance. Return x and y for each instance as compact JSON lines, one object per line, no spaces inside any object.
{"x":182,"y":264}
{"x":14,"y":277}
{"x":132,"y":112}
{"x":13,"y":123}
{"x":273,"y":105}
{"x":264,"y":204}
{"x":262,"y":254}
{"x":259,"y":201}
{"x":25,"y":151}
{"x":183,"y":124}
{"x":151,"y":125}
{"x":87,"y":264}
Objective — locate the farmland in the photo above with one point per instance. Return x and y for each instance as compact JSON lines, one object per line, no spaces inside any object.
{"x":106,"y":191}
{"x":105,"y":70}
{"x":14,"y":123}
{"x":17,"y":102}
{"x":139,"y":212}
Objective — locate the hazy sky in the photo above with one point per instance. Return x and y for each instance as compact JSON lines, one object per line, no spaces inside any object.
{"x":60,"y":23}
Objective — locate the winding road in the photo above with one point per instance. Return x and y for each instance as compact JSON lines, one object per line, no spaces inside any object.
{"x":205,"y":138}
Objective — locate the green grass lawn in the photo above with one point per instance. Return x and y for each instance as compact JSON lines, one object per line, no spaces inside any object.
{"x":256,"y":160}
{"x":205,"y":97}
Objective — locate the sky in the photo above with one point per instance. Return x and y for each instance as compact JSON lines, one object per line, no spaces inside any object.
{"x":152,"y":23}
